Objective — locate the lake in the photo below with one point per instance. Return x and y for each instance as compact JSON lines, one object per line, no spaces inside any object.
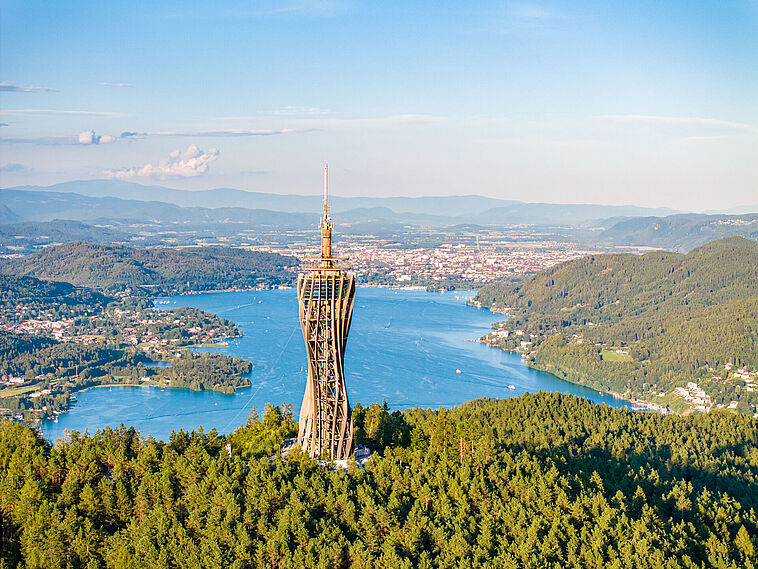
{"x":404,"y":346}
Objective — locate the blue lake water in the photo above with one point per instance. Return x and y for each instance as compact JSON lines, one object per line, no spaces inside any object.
{"x":404,"y":346}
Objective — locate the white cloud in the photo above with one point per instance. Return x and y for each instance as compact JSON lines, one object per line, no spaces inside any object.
{"x":226,"y":132}
{"x":310,"y":122}
{"x":58,"y":112}
{"x":106,"y":84}
{"x":89,"y":137}
{"x":378,"y":122}
{"x":13,"y":167}
{"x":194,"y":162}
{"x":529,"y":11}
{"x":13,"y":88}
{"x":684,"y":127}
{"x":301,"y":110}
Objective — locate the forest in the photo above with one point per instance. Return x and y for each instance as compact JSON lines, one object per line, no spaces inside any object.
{"x":679,"y":318}
{"x":28,"y":356}
{"x":22,"y":298}
{"x":545,"y":480}
{"x":153,"y":271}
{"x":213,"y":372}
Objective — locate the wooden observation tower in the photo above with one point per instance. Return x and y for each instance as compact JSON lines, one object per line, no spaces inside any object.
{"x":325,"y":294}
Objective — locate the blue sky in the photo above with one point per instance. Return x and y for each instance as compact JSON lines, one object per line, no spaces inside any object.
{"x":649,"y":103}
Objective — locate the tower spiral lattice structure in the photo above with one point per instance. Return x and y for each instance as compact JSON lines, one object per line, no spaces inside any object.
{"x":325,"y":293}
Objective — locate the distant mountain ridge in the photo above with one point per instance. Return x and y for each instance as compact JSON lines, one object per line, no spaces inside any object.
{"x":289,"y":203}
{"x":564,"y":214}
{"x":93,"y":199}
{"x":7,"y":215}
{"x":47,"y":206}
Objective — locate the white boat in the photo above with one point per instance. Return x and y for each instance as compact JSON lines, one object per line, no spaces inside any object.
{"x":458,"y":371}
{"x":511,"y":387}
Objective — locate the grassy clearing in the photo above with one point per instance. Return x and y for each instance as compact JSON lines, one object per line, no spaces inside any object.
{"x":612,"y":356}
{"x":13,"y":391}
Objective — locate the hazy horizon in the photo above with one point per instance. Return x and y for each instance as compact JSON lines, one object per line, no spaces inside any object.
{"x":753,"y":207}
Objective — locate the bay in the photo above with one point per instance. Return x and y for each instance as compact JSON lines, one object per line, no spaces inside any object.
{"x":405,"y":346}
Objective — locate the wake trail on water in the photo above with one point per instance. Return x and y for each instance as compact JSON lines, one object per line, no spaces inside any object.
{"x":254,"y":393}
{"x":234,"y":308}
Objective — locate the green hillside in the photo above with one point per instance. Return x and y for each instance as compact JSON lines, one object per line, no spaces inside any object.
{"x":680,"y":318}
{"x":30,"y":235}
{"x":45,"y":299}
{"x":159,"y":270}
{"x":543,"y":480}
{"x":680,"y":232}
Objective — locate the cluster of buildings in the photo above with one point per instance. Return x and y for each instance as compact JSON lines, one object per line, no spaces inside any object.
{"x":701,"y":401}
{"x":61,"y":330}
{"x":148,"y":331}
{"x":136,"y":329}
{"x":8,"y":379}
{"x":470,"y":260}
{"x":56,"y":328}
{"x":467,"y":262}
{"x":695,"y":396}
{"x":749,"y":377}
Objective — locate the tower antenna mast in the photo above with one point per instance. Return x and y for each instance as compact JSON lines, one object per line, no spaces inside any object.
{"x":326,"y":190}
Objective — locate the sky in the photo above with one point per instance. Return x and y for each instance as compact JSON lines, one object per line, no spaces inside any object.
{"x":647,"y":102}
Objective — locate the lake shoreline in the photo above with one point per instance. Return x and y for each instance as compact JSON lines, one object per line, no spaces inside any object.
{"x":405,"y":347}
{"x":636,"y":404}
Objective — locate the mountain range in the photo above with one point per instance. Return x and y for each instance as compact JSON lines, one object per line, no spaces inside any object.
{"x":468,"y":209}
{"x":33,"y":216}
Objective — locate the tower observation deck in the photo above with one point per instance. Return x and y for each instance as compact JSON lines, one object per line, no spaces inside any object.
{"x":325,"y":294}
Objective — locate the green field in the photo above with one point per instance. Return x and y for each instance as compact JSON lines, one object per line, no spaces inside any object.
{"x":13,"y":391}
{"x":611,"y":356}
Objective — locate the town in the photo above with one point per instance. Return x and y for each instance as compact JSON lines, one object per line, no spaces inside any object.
{"x":471,"y":258}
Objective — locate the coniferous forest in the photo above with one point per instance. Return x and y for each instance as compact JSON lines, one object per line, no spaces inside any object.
{"x":544,"y":480}
{"x":152,"y":271}
{"x":675,"y":318}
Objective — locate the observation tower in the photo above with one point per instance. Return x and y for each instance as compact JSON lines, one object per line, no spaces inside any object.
{"x":325,"y":294}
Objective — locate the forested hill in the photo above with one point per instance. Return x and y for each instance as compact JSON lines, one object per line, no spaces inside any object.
{"x":720,"y":270}
{"x":159,"y":270}
{"x":676,"y":316}
{"x":542,"y":480}
{"x":15,"y":290}
{"x":680,"y":232}
{"x":31,"y":235}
